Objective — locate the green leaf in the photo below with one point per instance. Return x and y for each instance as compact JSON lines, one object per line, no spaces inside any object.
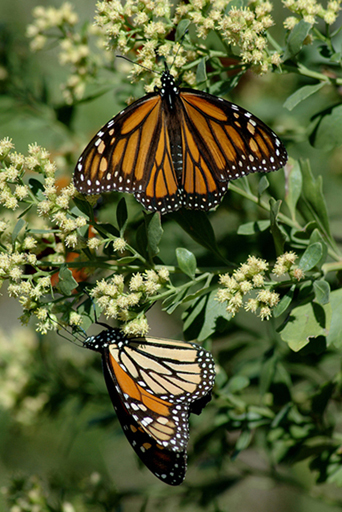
{"x":244,"y":184}
{"x":335,"y":475}
{"x":17,"y":228}
{"x":66,"y":282}
{"x":193,"y":314}
{"x":174,"y":302}
{"x":306,"y":322}
{"x":154,"y":232}
{"x":284,"y":302}
{"x":335,"y":333}
{"x":296,"y":38}
{"x":200,"y":319}
{"x":201,"y":72}
{"x":262,"y":186}
{"x":90,"y":312}
{"x":250,"y":228}
{"x":121,"y":215}
{"x":237,"y":383}
{"x":278,"y":235}
{"x":213,"y":311}
{"x":312,"y":204}
{"x":327,"y":134}
{"x":322,"y":291}
{"x":197,"y":225}
{"x":24,"y":212}
{"x":267,"y":373}
{"x":141,"y":240}
{"x":223,"y":87}
{"x":181,"y":29}
{"x":186,"y":261}
{"x":37,"y":188}
{"x":200,"y":292}
{"x":84,"y":207}
{"x":311,"y":257}
{"x":293,"y":189}
{"x":321,"y":399}
{"x":317,"y":237}
{"x":336,"y":57}
{"x":302,"y":93}
{"x":243,"y":441}
{"x":126,"y":260}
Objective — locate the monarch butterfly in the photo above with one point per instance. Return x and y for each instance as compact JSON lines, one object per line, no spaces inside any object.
{"x":154,"y":384}
{"x":177,"y":147}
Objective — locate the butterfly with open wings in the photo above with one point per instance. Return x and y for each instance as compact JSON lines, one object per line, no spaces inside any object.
{"x":177,"y":147}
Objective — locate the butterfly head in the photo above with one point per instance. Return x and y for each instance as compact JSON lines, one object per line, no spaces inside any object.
{"x":168,"y":89}
{"x":104,"y":339}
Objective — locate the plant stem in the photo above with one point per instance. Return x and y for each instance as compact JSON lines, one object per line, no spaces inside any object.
{"x":251,"y":197}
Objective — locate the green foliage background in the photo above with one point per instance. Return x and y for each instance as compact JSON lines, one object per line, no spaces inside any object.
{"x":271,"y":437}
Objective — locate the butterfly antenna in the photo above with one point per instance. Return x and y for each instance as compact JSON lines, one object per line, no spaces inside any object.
{"x":136,"y":63}
{"x":68,"y":339}
{"x":75,"y":334}
{"x":179,"y":47}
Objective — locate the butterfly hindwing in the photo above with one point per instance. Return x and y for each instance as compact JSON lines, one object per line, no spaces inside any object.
{"x":161,"y":191}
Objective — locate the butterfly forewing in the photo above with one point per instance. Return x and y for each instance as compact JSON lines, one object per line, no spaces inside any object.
{"x":167,"y":465}
{"x":121,"y":155}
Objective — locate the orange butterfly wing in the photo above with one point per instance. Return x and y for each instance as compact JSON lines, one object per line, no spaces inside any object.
{"x":158,"y":381}
{"x":131,"y":153}
{"x":154,"y":385}
{"x":221,"y":142}
{"x":177,"y":147}
{"x":167,"y":465}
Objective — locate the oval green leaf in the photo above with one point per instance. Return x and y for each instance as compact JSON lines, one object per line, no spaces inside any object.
{"x":296,"y":39}
{"x":306,"y":322}
{"x":328,"y":133}
{"x":17,"y":228}
{"x":186,"y":261}
{"x":284,"y":303}
{"x":294,"y":181}
{"x":201,"y":72}
{"x":335,"y":332}
{"x":262,"y":186}
{"x":66,"y":282}
{"x":302,"y":93}
{"x":322,"y":291}
{"x":250,"y":228}
{"x":311,"y":256}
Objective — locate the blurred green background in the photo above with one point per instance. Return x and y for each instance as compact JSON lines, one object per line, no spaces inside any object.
{"x":76,"y":450}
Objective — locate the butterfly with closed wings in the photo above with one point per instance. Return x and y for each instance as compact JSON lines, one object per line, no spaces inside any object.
{"x":154,"y":385}
{"x":177,"y":147}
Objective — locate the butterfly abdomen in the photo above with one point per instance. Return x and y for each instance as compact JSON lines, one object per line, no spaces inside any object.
{"x":175,"y":138}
